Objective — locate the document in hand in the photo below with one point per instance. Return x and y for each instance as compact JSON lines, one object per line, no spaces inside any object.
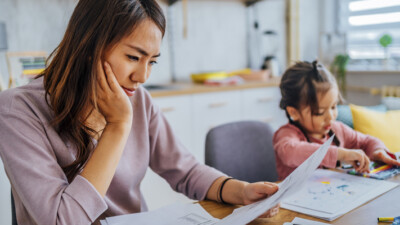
{"x":287,"y":188}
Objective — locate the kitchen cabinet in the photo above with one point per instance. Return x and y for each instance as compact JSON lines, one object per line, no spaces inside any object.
{"x":210,"y":110}
{"x":263,"y":104}
{"x":192,"y":115}
{"x":178,"y":111}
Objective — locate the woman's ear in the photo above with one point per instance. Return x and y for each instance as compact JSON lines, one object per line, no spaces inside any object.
{"x":293,"y":113}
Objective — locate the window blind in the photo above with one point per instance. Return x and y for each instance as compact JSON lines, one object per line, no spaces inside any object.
{"x":364,"y":22}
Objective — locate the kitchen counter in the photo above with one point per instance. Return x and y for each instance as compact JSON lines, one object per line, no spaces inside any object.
{"x":184,"y":88}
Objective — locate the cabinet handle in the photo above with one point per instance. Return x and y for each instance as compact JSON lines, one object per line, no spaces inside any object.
{"x":217,"y":104}
{"x":263,"y":100}
{"x":167,"y":109}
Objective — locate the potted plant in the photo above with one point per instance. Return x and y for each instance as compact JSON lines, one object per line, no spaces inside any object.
{"x":339,"y":68}
{"x":385,"y":41}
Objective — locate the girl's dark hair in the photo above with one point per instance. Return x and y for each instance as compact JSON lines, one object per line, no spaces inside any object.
{"x":300,"y":85}
{"x":70,"y":78}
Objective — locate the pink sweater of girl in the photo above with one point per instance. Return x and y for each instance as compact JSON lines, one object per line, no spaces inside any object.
{"x":292,"y":149}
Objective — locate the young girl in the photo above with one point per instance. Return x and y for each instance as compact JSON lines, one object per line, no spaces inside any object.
{"x":76,"y":142}
{"x":309,"y":97}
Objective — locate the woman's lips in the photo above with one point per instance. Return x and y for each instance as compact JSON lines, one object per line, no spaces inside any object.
{"x":129,"y":92}
{"x":328,"y":127}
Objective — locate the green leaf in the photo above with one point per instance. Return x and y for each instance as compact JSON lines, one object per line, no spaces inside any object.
{"x":385,"y":40}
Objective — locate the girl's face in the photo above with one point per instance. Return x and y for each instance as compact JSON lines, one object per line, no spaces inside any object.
{"x":132,"y":58}
{"x":318,"y":125}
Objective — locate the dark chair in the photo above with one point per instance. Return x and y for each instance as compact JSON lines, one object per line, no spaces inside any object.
{"x":14,"y":216}
{"x":243,"y":150}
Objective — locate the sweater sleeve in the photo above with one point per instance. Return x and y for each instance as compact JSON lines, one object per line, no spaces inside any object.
{"x":292,"y":149}
{"x":356,"y":140}
{"x":172,"y":161}
{"x":38,"y":182}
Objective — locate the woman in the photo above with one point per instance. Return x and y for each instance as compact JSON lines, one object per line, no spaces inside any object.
{"x":76,"y":142}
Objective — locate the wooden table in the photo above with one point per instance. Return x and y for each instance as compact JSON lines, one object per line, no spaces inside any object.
{"x":386,"y":205}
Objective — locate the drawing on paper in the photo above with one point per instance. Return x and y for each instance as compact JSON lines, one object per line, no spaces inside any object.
{"x":334,"y":188}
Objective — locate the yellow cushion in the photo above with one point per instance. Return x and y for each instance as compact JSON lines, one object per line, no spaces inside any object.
{"x":383,"y":125}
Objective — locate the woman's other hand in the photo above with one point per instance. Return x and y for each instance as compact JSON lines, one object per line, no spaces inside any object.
{"x":254,"y":192}
{"x":112,"y":101}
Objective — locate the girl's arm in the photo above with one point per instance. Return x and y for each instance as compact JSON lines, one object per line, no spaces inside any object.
{"x":242,"y":193}
{"x":116,"y":108}
{"x":373,"y":147}
{"x":292,"y":149}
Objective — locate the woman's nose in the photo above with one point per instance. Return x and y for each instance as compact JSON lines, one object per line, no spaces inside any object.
{"x":140,"y":75}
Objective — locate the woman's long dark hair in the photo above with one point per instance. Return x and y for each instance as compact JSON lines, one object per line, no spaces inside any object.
{"x":300,"y":85}
{"x":70,"y":78}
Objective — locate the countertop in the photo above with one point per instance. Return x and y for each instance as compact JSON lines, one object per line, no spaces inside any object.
{"x":184,"y":88}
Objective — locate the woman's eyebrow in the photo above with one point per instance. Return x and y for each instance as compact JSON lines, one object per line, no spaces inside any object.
{"x":142,"y":51}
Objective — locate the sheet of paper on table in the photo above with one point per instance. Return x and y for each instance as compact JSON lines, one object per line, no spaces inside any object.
{"x":342,"y":191}
{"x":287,"y":187}
{"x":175,"y":214}
{"x":302,"y":221}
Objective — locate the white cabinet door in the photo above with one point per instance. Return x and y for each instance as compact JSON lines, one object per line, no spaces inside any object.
{"x":178,"y":111}
{"x":210,"y":110}
{"x":156,"y":190}
{"x":263,"y":104}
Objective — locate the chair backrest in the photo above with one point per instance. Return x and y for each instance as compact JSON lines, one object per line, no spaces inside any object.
{"x":14,"y":216}
{"x":243,"y":150}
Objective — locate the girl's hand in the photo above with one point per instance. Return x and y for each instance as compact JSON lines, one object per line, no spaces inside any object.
{"x":383,"y":156}
{"x":112,"y":101}
{"x":254,"y":192}
{"x":356,"y":157}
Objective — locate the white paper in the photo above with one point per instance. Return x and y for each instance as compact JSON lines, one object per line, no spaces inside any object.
{"x":176,"y":214}
{"x":302,"y":221}
{"x":344,"y":192}
{"x":288,"y":187}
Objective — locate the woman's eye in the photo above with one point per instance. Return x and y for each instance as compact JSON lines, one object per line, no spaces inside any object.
{"x":133,"y":58}
{"x":153,"y":62}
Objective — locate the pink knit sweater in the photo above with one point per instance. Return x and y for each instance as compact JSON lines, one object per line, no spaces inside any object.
{"x":292,"y":149}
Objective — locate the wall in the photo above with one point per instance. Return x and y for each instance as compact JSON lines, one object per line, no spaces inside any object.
{"x":270,"y":15}
{"x":309,"y":29}
{"x":215,"y":41}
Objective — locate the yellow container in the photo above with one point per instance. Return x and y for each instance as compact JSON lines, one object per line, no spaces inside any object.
{"x":201,"y":77}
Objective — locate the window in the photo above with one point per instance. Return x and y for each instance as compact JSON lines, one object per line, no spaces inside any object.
{"x":364,"y":22}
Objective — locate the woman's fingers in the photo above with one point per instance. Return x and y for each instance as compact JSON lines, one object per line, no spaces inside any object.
{"x":111,"y":80}
{"x":101,"y":79}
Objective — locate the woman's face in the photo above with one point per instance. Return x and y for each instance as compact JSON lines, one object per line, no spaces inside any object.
{"x":318,"y":125}
{"x":132,"y":58}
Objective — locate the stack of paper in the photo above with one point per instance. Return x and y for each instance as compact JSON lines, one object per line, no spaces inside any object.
{"x":176,"y":214}
{"x":329,"y":194}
